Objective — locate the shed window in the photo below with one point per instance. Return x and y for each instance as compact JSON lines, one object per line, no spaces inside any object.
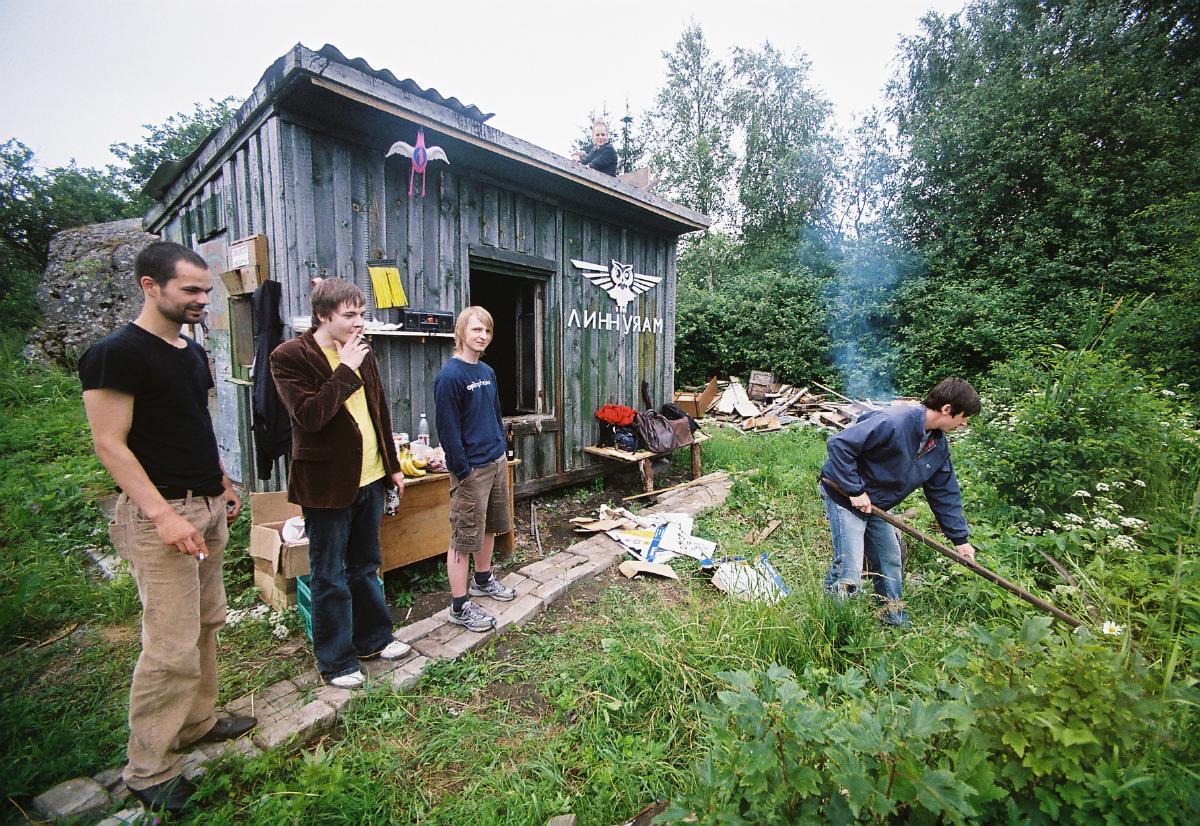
{"x":517,"y":305}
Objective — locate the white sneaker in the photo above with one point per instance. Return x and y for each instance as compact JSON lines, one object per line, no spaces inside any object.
{"x":354,"y":679}
{"x":395,"y":650}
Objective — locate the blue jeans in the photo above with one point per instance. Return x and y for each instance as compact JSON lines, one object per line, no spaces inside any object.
{"x":856,"y":536}
{"x":350,"y":618}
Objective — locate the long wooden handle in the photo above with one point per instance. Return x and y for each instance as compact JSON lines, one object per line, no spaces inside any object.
{"x":970,"y":564}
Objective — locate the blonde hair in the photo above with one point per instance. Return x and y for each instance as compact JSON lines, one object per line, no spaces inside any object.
{"x":464,"y":318}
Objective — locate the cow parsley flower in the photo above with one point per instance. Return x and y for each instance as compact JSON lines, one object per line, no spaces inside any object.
{"x":1103,"y":487}
{"x":1132,"y":522}
{"x":1082,"y":494}
{"x":1123,"y":543}
{"x":1139,"y":483}
{"x":1103,"y":524}
{"x":1073,"y":518}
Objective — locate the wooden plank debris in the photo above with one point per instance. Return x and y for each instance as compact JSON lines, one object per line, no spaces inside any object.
{"x":735,"y":400}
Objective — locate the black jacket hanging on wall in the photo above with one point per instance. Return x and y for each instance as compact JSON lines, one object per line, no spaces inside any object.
{"x":272,"y":429}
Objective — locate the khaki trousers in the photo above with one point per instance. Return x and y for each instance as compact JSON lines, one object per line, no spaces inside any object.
{"x":174,"y":687}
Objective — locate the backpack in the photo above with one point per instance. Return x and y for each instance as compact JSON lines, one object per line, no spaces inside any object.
{"x":655,"y":430}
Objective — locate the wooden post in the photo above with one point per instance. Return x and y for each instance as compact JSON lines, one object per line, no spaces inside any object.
{"x":647,"y":475}
{"x":695,"y":460}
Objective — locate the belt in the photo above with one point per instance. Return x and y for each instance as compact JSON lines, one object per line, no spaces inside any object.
{"x":170,"y":492}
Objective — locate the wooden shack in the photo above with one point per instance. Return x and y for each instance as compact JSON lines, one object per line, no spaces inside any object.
{"x":504,"y":224}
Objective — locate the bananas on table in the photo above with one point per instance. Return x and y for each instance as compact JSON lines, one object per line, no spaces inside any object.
{"x":412,"y":467}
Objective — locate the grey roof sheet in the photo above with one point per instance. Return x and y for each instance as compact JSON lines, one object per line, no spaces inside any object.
{"x":407,"y":84}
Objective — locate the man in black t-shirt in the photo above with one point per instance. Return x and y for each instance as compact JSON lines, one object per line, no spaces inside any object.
{"x":145,"y":390}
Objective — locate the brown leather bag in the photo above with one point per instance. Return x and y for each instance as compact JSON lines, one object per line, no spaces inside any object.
{"x":654,"y":428}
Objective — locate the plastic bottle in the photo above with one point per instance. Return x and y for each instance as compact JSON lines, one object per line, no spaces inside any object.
{"x":510,"y":444}
{"x":423,"y":430}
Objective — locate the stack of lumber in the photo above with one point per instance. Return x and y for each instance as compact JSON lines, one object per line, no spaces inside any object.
{"x":784,"y":404}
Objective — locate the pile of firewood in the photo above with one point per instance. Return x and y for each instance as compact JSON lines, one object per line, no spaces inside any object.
{"x":770,"y":406}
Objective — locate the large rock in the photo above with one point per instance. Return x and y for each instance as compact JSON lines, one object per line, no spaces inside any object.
{"x":81,"y":797}
{"x":88,"y":289}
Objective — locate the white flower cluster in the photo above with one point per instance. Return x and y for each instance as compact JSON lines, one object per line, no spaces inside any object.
{"x":261,"y":613}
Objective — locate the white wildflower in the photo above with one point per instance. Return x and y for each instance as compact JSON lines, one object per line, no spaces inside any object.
{"x":1111,"y":629}
{"x":1169,"y":393}
{"x":1074,"y":518}
{"x":280,"y":631}
{"x":1183,"y":385}
{"x":1123,"y":543}
{"x":1119,"y":485}
{"x":1103,"y":524}
{"x":1139,"y":483}
{"x":1082,"y":494}
{"x":1132,"y":522}
{"x":1103,"y":487}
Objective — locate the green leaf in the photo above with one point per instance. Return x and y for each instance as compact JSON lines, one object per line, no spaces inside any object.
{"x":1076,"y":736}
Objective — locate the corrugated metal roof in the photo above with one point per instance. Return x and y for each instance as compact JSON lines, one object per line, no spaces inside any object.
{"x":407,"y":84}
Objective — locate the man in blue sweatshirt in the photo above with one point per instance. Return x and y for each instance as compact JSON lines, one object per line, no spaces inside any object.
{"x":878,"y":461}
{"x":471,"y":432}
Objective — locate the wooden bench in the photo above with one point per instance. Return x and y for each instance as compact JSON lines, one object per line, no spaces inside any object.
{"x":646,"y":457}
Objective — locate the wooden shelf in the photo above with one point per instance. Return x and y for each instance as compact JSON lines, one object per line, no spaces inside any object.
{"x":406,"y":334}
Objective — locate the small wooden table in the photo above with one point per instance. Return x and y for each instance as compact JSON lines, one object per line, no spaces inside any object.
{"x":421,"y":528}
{"x":645,"y":458}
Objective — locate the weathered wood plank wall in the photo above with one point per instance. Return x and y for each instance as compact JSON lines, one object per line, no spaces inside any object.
{"x":328,"y":203}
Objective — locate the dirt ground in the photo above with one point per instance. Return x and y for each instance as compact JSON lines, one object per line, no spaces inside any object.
{"x":553,"y":513}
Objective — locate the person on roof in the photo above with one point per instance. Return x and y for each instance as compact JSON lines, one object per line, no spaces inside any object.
{"x":602,"y":158}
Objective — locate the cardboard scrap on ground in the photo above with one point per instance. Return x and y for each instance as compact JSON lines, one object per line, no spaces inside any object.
{"x":751,"y":580}
{"x":600,"y":525}
{"x":631,"y":568}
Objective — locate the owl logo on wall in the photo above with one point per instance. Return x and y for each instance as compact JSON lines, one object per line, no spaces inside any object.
{"x":619,"y":280}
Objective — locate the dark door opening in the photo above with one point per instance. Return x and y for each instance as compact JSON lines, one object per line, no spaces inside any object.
{"x":516,"y":305}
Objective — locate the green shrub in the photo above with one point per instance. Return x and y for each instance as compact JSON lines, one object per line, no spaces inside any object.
{"x":1025,"y":727}
{"x":1073,"y":731}
{"x":1071,"y":422}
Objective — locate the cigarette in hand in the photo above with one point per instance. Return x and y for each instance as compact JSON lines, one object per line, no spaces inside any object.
{"x":201,"y":557}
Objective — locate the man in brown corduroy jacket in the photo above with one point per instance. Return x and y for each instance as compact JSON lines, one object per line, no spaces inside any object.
{"x":343,"y":463}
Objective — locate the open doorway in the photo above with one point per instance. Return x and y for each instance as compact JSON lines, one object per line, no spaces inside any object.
{"x":517,"y":305}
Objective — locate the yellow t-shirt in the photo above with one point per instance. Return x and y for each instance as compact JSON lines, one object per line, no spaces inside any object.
{"x":372,"y":462}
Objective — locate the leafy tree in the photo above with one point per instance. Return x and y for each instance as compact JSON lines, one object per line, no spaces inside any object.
{"x":632,"y":148}
{"x":868,"y":180}
{"x":1037,"y":132}
{"x":691,"y":130}
{"x":785,"y":178}
{"x":173,"y":139}
{"x":34,"y":206}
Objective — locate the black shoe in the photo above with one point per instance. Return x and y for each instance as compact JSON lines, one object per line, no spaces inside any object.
{"x":170,"y":796}
{"x":228,"y":728}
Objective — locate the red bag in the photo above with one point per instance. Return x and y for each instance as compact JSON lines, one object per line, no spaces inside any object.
{"x":616,"y":414}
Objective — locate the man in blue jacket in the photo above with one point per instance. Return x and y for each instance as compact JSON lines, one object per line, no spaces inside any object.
{"x":880,"y":460}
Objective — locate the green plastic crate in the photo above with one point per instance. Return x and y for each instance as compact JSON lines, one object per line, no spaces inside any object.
{"x":304,"y":600}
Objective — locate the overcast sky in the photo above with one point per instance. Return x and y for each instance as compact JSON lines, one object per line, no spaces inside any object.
{"x":79,"y":75}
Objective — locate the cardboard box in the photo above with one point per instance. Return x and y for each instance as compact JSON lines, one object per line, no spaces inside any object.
{"x":243,"y":280}
{"x":249,"y":252}
{"x":275,"y":589}
{"x":697,"y":404}
{"x":268,"y":512}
